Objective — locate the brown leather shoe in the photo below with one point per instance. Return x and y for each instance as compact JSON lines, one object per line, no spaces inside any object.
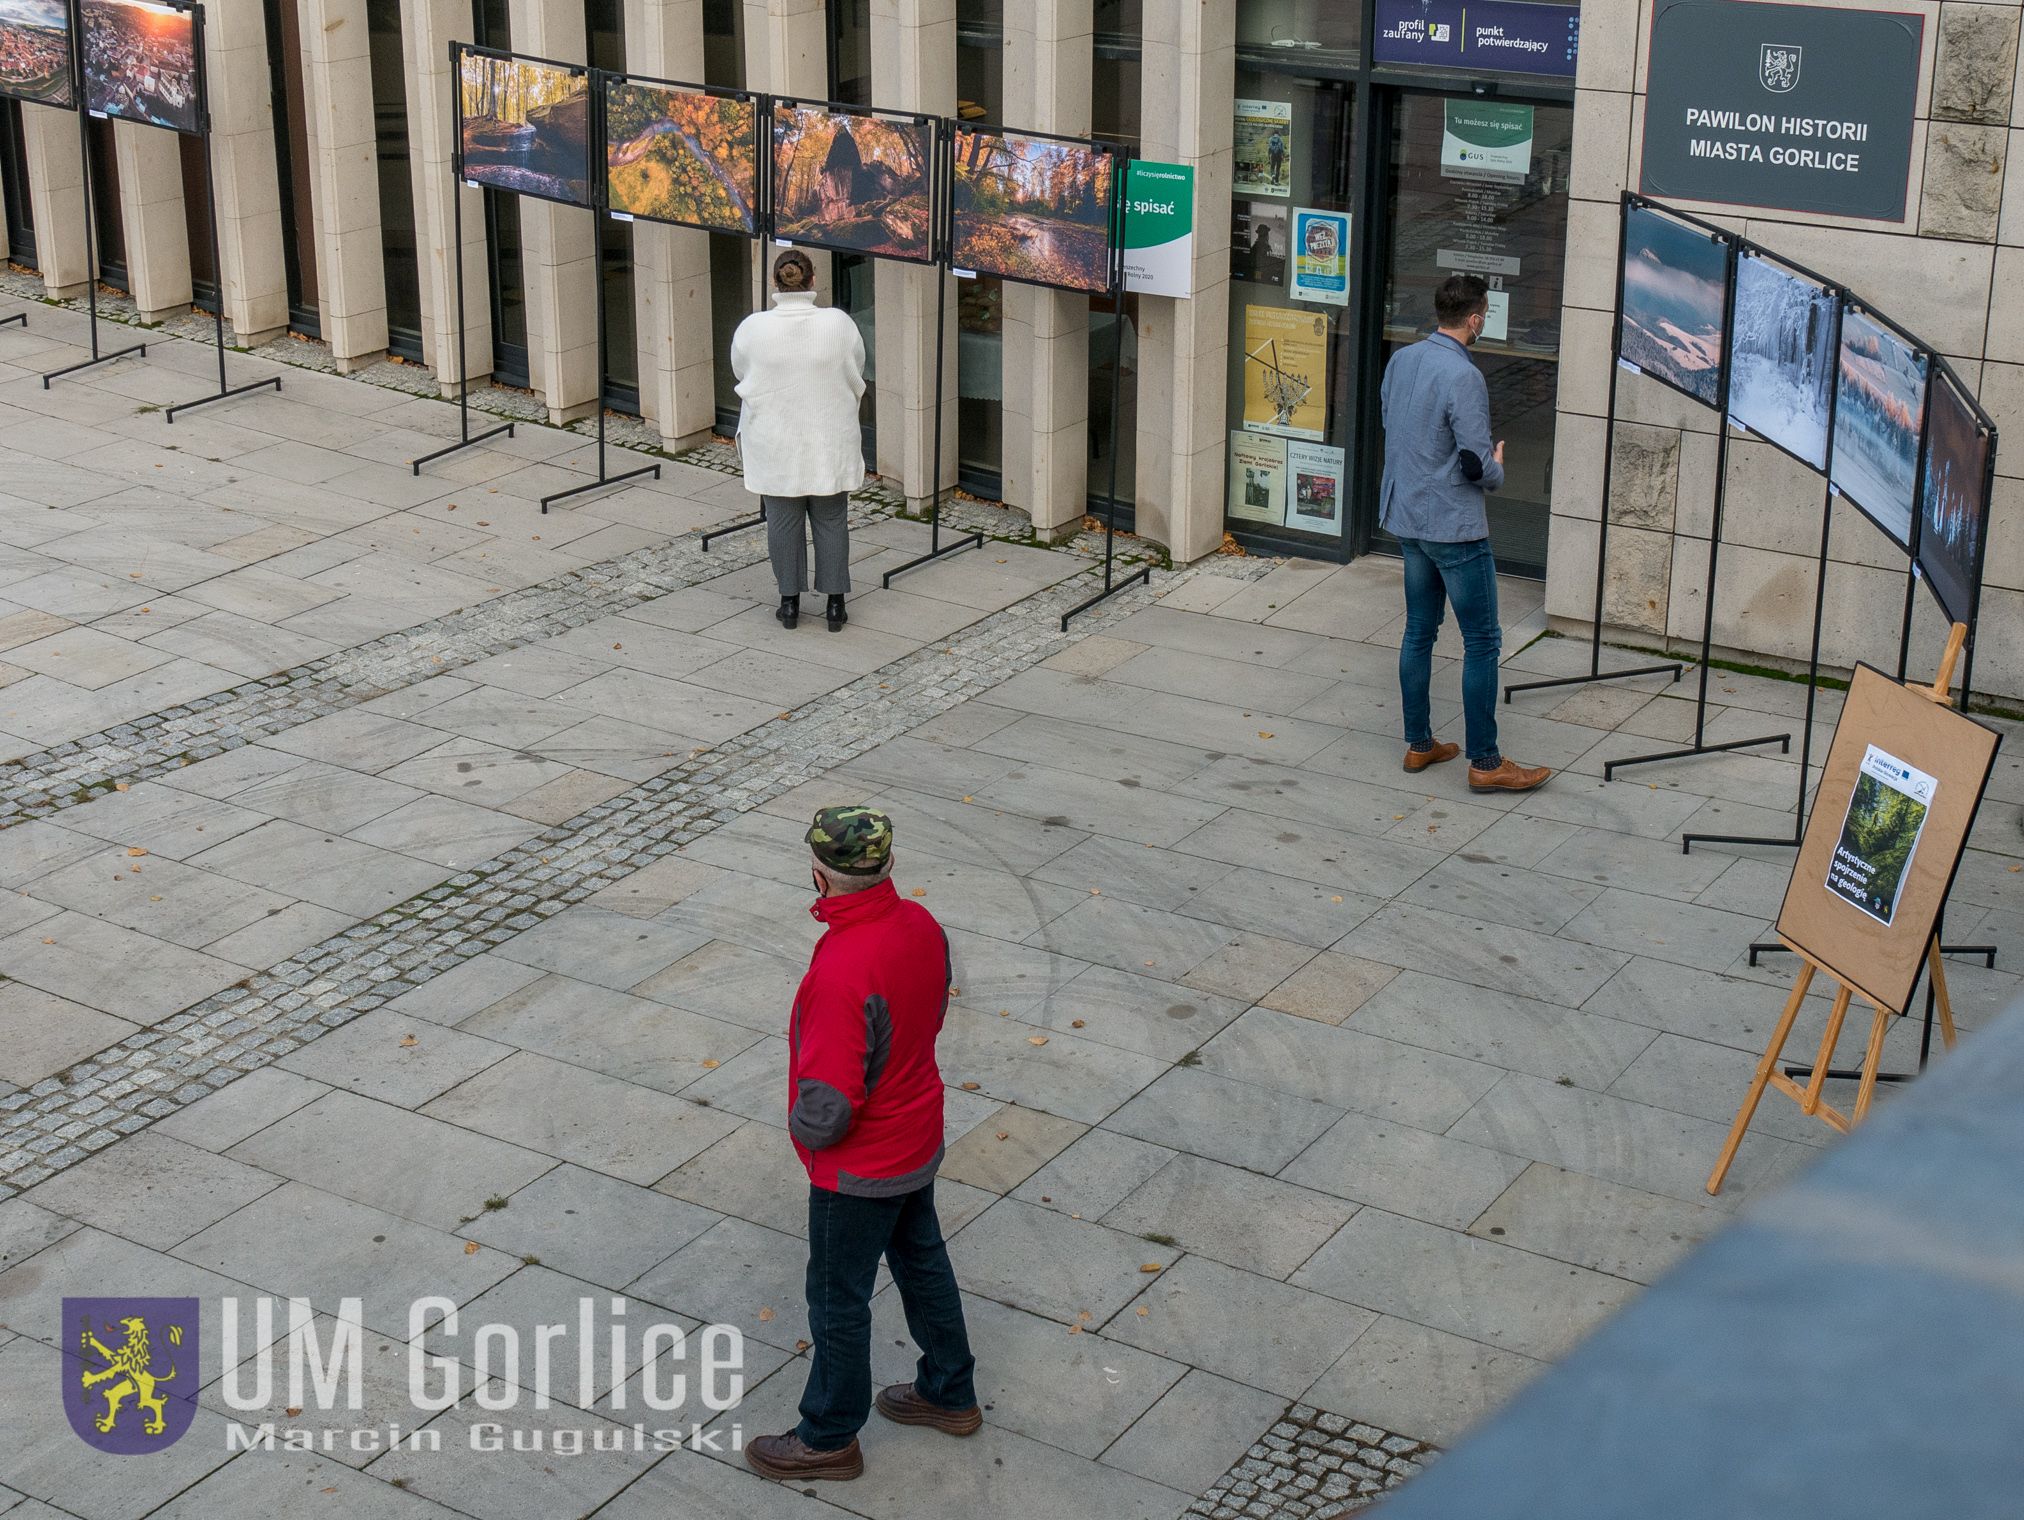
{"x":904,"y":1406}
{"x":1509,"y":776}
{"x":785,"y":1458}
{"x":1419,"y":760}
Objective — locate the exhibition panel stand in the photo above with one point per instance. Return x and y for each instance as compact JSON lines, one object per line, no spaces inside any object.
{"x":465,"y":437}
{"x":1691,"y":242}
{"x":19,"y":316}
{"x":1595,"y":671}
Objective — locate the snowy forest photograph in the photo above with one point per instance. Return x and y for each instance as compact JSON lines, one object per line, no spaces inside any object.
{"x":1781,"y":358}
{"x":1674,"y":281}
{"x":1954,"y":512}
{"x":853,"y":182}
{"x":525,"y":127}
{"x":674,"y":155}
{"x":1030,"y":208}
{"x":1879,"y":407}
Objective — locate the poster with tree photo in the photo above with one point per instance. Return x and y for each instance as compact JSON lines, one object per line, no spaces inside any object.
{"x":1036,"y":209}
{"x":524,"y":126}
{"x":853,"y":181}
{"x":1880,"y":833}
{"x":681,"y":155}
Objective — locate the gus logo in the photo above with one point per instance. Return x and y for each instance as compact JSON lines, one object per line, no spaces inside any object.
{"x":130,"y":1371}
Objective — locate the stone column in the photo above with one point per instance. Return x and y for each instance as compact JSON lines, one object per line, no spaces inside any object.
{"x":428,"y":27}
{"x":151,"y":210}
{"x":1048,"y":65}
{"x":253,"y":277}
{"x":558,"y":245}
{"x":344,"y":166}
{"x":787,"y":53}
{"x":56,"y":198}
{"x":1188,"y":82}
{"x":914,"y":69}
{"x":671,"y":265}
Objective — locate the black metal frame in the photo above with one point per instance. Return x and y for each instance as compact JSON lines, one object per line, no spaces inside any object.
{"x":760,"y":141}
{"x":1701,"y":746}
{"x":16,"y":316}
{"x":935,"y":153}
{"x":458,"y":184}
{"x":225,"y":387}
{"x":1595,"y":671}
{"x":596,"y":133}
{"x":1003,"y":133}
{"x":1909,"y":548}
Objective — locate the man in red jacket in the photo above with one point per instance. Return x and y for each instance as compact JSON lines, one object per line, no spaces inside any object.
{"x":865,"y":1112}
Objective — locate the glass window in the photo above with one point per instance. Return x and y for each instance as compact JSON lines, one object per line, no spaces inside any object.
{"x":400,"y":253}
{"x":197,"y":227}
{"x":1322,"y":33}
{"x":291,"y":165}
{"x":604,"y":21}
{"x":1291,"y":383}
{"x":1506,"y":221}
{"x":14,"y":186}
{"x":105,"y":206}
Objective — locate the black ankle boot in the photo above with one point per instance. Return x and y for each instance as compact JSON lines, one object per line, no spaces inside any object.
{"x":789,"y":611}
{"x":836,"y":615}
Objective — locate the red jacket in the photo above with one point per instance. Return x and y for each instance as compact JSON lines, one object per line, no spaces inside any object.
{"x":864,"y":1094}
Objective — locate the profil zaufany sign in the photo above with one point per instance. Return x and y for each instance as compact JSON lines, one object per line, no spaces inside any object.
{"x":1789,"y":107}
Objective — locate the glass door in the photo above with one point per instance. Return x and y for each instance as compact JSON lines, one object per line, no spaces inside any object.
{"x":14,"y":187}
{"x":292,"y":169}
{"x":1478,"y":185}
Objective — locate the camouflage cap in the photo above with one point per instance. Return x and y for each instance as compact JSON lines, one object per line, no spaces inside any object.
{"x":855,"y":840}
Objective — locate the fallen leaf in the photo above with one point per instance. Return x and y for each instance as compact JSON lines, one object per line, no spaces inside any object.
{"x":801,"y":1345}
{"x":154,"y":897}
{"x":1096,"y":891}
{"x":47,"y":940}
{"x":967,"y":1086}
{"x":765,"y":1316}
{"x":1398,"y":817}
{"x":408,"y":1042}
{"x":1075,"y":1329}
{"x":1263,"y":734}
{"x":1143,"y":1311}
{"x":618,"y":646}
{"x":1335,"y":899}
{"x":710,"y":1065}
{"x":1004,"y":1134}
{"x":292,"y":1410}
{"x":1151,"y":1266}
{"x":136,"y":851}
{"x":969,"y":799}
{"x":1003,"y":1013}
{"x":470,"y":1248}
{"x":1045,"y":1198}
{"x":955,"y":992}
{"x":1036,"y":1039}
{"x":920,"y":891}
{"x":120,"y":786}
{"x":1075,"y":1023}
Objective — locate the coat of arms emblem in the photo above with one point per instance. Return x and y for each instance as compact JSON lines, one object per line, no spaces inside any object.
{"x":116,"y":1378}
{"x":1778,"y":66}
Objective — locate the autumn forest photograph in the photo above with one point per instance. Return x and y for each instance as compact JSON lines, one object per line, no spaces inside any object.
{"x":854,"y":182}
{"x":1032,"y":208}
{"x":525,"y":126}
{"x":678,"y":155}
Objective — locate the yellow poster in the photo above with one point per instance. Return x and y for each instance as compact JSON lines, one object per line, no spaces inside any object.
{"x":1285,"y":371}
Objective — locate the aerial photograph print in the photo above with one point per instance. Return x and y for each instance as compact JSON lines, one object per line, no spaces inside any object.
{"x":674,"y":155}
{"x":35,"y":51}
{"x":140,"y":62}
{"x":1030,"y":208}
{"x":1674,"y":280}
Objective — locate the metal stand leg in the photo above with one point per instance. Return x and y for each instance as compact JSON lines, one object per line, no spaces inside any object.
{"x":1145,"y":572}
{"x":19,"y":316}
{"x":737,"y":527}
{"x":465,"y":436}
{"x":91,"y":271}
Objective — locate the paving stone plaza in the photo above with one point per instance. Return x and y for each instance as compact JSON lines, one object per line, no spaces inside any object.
{"x":405,"y":889}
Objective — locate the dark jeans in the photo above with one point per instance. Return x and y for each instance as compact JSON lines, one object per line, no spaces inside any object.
{"x":1464,"y":576}
{"x":846,"y":1237}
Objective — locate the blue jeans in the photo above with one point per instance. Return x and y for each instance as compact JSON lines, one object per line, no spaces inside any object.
{"x":846,"y":1237}
{"x":1465,"y":576}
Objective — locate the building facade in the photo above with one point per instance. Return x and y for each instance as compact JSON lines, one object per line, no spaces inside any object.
{"x":1348,"y":155}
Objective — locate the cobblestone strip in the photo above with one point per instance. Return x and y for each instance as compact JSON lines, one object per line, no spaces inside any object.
{"x":1312,"y":1466}
{"x":152,"y":1073}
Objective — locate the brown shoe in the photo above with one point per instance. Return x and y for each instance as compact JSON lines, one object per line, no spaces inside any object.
{"x":904,"y":1406}
{"x":785,"y":1458}
{"x":1509,"y":776}
{"x":1418,"y":760}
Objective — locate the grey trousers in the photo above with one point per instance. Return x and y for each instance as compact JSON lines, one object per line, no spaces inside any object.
{"x":787,"y":542}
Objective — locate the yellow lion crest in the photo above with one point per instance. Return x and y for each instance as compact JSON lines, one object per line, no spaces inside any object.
{"x":131,"y":1364}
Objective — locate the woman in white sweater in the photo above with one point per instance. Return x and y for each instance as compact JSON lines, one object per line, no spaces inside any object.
{"x":800,"y":371}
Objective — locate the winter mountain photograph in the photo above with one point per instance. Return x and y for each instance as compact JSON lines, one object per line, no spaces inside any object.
{"x":1674,"y":281}
{"x":1879,"y":408}
{"x":1781,"y":358}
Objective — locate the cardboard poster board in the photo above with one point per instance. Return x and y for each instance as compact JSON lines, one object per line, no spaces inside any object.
{"x":35,"y":52}
{"x":1899,"y":794}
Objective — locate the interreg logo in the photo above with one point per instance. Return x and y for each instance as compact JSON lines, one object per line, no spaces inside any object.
{"x":1778,"y":67}
{"x":128,"y":1351}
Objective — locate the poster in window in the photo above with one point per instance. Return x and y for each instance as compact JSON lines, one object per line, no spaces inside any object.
{"x":1486,"y":140}
{"x":681,"y":155}
{"x":1264,"y":148}
{"x":1036,"y":209}
{"x":1258,"y":478}
{"x":1285,"y":371}
{"x":524,"y":126}
{"x":853,"y":181}
{"x":35,"y":52}
{"x":1782,"y":358}
{"x":1675,"y":283}
{"x":1314,"y":488}
{"x":140,"y":62}
{"x":1259,"y":240}
{"x":1321,"y":256}
{"x":1880,"y":833}
{"x":1954,"y":511}
{"x":1879,"y":411}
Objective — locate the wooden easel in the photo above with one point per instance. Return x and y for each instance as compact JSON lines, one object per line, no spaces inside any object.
{"x":1808,"y":1097}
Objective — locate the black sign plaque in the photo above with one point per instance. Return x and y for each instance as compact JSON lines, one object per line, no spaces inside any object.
{"x":1785,"y":107}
